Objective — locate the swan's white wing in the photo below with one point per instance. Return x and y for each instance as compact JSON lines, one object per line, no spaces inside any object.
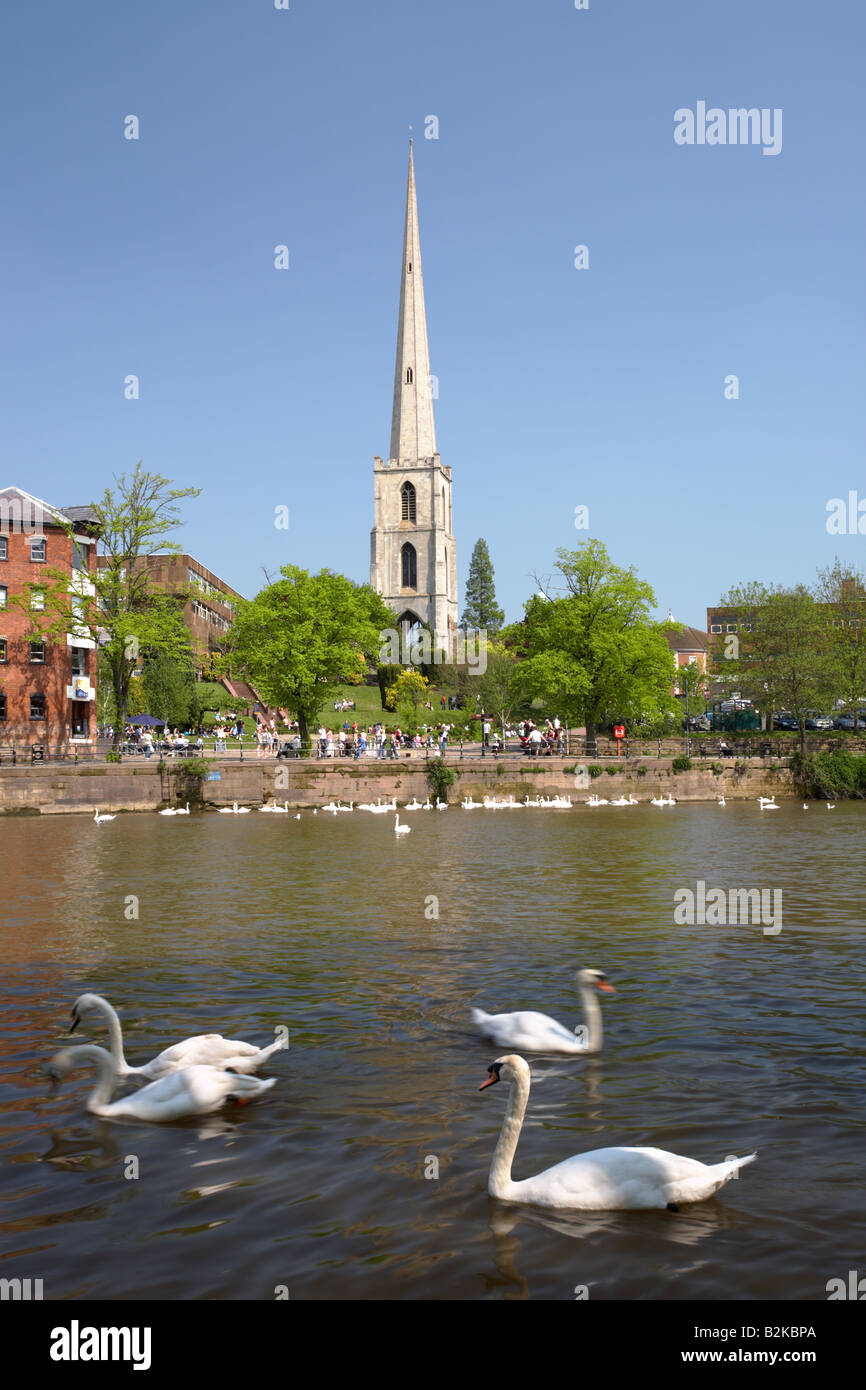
{"x":528,"y":1031}
{"x":195,"y":1090}
{"x":203,"y":1049}
{"x":625,"y":1179}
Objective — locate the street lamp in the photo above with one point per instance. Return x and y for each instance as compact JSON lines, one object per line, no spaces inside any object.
{"x":688,"y":732}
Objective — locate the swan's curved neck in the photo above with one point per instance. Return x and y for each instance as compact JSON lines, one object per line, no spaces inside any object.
{"x":592,"y":1015}
{"x":115,"y":1037}
{"x":106,"y":1076}
{"x":500,"y":1181}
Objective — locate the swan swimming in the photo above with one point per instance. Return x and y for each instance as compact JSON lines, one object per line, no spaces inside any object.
{"x":100,"y":820}
{"x":198,"y":1090}
{"x":535,"y":1032}
{"x":618,"y":1179}
{"x":401,"y":829}
{"x":204,"y":1049}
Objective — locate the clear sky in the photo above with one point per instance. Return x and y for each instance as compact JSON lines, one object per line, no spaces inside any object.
{"x":558,"y":387}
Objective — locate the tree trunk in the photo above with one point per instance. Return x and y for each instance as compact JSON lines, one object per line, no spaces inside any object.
{"x":302,"y":727}
{"x":803,"y":737}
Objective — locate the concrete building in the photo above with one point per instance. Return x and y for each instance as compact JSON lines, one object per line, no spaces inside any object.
{"x":209,"y":608}
{"x":413,"y":556}
{"x":47,"y":684}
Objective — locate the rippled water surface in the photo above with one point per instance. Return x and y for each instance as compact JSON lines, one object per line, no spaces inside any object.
{"x":720,"y":1040}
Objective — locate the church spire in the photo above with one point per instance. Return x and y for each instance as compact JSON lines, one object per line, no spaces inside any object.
{"x":413,"y":434}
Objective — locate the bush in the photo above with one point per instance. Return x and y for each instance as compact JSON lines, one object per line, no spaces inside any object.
{"x":439,"y":778}
{"x":112,"y":757}
{"x":681,"y":764}
{"x":611,"y":771}
{"x":826,"y":775}
{"x":594,"y":770}
{"x":716,"y":769}
{"x":641,"y":772}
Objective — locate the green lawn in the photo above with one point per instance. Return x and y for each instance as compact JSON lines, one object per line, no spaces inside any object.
{"x":368,"y":710}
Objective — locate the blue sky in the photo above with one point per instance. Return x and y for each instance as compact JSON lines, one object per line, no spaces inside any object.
{"x":602,"y":387}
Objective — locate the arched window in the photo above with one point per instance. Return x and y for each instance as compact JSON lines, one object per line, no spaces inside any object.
{"x":408,"y":376}
{"x":407,"y":502}
{"x":409,"y":567}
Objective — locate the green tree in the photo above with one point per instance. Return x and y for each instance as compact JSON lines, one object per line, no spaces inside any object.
{"x":306,"y":634}
{"x":593,"y":651}
{"x":841,"y":592}
{"x":169,"y":684}
{"x":783,"y":663}
{"x":501,"y":687}
{"x":409,"y":690}
{"x":482,"y":610}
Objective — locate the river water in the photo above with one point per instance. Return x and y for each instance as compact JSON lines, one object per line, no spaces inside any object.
{"x":721,"y":1039}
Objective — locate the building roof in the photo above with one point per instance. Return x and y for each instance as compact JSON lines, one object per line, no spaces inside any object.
{"x":691,"y":639}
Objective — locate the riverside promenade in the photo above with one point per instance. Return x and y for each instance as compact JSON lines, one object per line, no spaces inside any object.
{"x":147,"y":785}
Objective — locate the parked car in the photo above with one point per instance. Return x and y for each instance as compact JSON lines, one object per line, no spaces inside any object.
{"x":819,"y":721}
{"x":845,"y":721}
{"x":784,"y":720}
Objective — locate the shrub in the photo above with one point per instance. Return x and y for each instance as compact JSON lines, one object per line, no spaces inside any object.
{"x":826,"y":775}
{"x":681,"y":764}
{"x":439,"y":778}
{"x":112,"y":757}
{"x":716,"y":769}
{"x":641,"y":772}
{"x":594,"y":770}
{"x":611,"y":771}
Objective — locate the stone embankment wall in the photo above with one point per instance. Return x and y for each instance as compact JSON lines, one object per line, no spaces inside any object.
{"x":57,"y":789}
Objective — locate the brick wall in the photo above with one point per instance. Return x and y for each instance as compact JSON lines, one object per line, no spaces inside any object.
{"x":20,"y":677}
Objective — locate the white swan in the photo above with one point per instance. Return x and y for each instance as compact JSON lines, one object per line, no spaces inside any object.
{"x":205,"y":1049}
{"x":100,"y":820}
{"x":467,"y":804}
{"x":234,"y":810}
{"x":830,"y":807}
{"x":198,"y":1090}
{"x":441,"y":805}
{"x":182,"y":812}
{"x":603,"y":1179}
{"x":534,"y":1032}
{"x":413,"y":805}
{"x":169,"y":811}
{"x":722,"y":801}
{"x":401,"y":829}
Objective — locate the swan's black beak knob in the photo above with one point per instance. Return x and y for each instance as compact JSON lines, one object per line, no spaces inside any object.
{"x":493,"y":1072}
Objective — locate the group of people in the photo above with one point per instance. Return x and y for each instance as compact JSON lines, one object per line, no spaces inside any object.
{"x":170,"y":741}
{"x":541,"y":742}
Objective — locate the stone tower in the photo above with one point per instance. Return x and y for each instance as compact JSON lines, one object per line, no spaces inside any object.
{"x":413,"y":561}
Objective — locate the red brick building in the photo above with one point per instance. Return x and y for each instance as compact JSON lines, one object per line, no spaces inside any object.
{"x":47,"y":687}
{"x":208,"y":602}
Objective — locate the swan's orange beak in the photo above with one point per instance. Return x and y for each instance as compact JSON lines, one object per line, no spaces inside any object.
{"x":605,"y":987}
{"x":492,"y":1082}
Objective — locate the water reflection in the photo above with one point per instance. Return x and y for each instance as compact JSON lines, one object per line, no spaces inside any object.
{"x":717,"y":1041}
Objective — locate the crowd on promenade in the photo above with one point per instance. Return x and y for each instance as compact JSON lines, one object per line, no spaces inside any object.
{"x":376,"y":740}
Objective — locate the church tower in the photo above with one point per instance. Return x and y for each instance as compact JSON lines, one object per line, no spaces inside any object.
{"x":413,"y":560}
